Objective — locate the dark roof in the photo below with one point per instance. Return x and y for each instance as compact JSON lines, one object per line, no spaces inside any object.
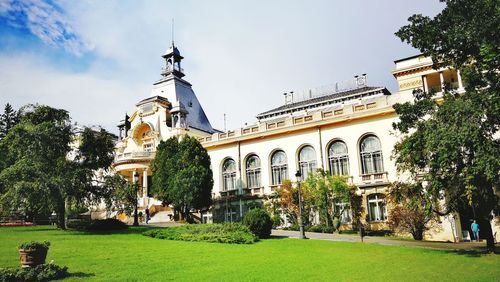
{"x":407,"y":58}
{"x":329,"y":99}
{"x":152,"y":99}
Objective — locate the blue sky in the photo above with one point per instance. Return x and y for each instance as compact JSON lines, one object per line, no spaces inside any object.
{"x":98,"y":58}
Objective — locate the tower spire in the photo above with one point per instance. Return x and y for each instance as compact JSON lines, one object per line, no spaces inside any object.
{"x":172,"y":32}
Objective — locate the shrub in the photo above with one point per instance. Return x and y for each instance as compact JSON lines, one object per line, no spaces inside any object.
{"x":231,"y":233}
{"x":42,"y":272}
{"x":78,"y":224}
{"x":34,"y":245}
{"x":276,"y":221}
{"x":320,"y":228}
{"x":259,"y":222}
{"x":107,"y":225}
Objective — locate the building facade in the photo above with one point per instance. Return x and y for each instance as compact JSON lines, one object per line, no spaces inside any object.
{"x":345,"y":129}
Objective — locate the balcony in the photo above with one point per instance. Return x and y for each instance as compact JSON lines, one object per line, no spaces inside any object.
{"x":373,"y":178}
{"x":134,"y":156}
{"x":228,"y":193}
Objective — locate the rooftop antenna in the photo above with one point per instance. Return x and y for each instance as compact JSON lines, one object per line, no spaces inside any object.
{"x":224,"y":122}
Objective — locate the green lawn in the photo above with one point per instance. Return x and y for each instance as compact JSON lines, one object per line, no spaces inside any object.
{"x":129,"y":256}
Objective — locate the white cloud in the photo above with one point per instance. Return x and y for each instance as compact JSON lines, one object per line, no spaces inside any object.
{"x":91,"y":100}
{"x":45,"y":21}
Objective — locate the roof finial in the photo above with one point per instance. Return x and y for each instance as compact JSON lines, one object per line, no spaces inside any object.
{"x":172,"y":32}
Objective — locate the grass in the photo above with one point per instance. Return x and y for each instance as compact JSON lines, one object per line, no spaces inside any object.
{"x":130,"y":256}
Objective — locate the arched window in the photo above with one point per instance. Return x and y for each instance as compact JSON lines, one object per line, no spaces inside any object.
{"x":377,"y":208}
{"x":253,"y":171}
{"x":371,"y":155}
{"x":307,"y":160}
{"x":338,"y":158}
{"x":343,"y":209}
{"x":279,"y":167}
{"x":229,"y":175}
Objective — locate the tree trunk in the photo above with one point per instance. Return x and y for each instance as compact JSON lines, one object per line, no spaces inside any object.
{"x":490,"y":241}
{"x":61,"y":218}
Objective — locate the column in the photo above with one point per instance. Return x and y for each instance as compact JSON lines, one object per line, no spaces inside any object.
{"x":426,"y":87}
{"x":145,"y":183}
{"x":134,"y":179}
{"x":459,"y":78}
{"x":441,"y":80}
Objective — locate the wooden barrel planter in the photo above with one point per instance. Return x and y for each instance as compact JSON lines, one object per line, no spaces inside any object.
{"x":33,"y":254}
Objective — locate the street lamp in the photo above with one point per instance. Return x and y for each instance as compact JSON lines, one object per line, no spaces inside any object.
{"x":302,"y":234}
{"x":136,"y":217}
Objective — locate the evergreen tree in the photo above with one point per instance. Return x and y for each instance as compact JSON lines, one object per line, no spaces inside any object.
{"x":8,"y":119}
{"x":182,"y":176}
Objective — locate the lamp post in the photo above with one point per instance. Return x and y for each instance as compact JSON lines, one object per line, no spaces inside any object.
{"x":135,"y":185}
{"x":302,"y":234}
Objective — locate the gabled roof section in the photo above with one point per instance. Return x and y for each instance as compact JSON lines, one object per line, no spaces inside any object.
{"x":325,"y":100}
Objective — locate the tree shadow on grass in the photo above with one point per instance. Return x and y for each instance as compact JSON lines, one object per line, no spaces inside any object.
{"x":128,"y":231}
{"x":81,"y":274}
{"x":275,"y":237}
{"x":475,"y":253}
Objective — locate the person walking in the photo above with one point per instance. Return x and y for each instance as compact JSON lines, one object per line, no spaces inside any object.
{"x":147,"y":216}
{"x":475,"y":230}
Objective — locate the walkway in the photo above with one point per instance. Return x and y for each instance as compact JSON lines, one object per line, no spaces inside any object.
{"x":383,"y":241}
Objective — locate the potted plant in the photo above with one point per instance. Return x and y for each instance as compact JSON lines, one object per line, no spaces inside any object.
{"x":33,"y":253}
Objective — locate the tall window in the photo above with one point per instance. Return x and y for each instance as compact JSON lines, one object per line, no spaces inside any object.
{"x":377,"y":208}
{"x":371,"y":155}
{"x":345,"y":211}
{"x":279,"y":167}
{"x":307,"y":160}
{"x":229,"y":175}
{"x":253,"y":172}
{"x":339,"y":160}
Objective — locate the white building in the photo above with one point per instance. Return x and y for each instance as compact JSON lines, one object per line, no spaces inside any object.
{"x":345,"y":129}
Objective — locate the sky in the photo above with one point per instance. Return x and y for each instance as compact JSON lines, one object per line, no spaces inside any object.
{"x":97,"y":59}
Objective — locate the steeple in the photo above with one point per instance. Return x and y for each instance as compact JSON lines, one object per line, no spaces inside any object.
{"x":173,"y":60}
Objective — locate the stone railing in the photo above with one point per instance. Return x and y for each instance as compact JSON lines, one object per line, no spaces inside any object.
{"x":135,"y":155}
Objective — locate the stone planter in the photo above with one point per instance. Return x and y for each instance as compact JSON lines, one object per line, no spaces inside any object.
{"x":32,"y":257}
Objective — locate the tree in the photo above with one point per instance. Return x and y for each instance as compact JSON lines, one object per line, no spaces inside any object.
{"x":450,"y":147}
{"x":182,"y":176}
{"x":411,"y":209}
{"x":8,"y":119}
{"x":288,"y":199}
{"x":37,"y":174}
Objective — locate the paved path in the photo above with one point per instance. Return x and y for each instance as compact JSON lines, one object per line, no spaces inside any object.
{"x":383,"y":241}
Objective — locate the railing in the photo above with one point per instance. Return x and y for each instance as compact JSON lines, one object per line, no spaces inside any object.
{"x":374,"y":177}
{"x":229,"y":193}
{"x":134,"y":155}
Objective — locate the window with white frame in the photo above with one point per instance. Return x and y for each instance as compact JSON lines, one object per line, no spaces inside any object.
{"x":279,"y":167}
{"x":253,"y":171}
{"x":377,"y":209}
{"x":371,"y":155}
{"x":229,"y":175}
{"x":338,"y":158}
{"x":344,"y":209}
{"x":307,"y":161}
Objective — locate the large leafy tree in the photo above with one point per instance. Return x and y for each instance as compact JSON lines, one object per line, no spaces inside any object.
{"x":451,"y":146}
{"x":39,"y":175}
{"x":182,"y":176}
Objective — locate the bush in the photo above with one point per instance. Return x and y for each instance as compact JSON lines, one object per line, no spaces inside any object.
{"x":107,"y":225}
{"x":259,"y":222}
{"x":293,"y":227}
{"x":78,"y":224}
{"x":320,"y":228}
{"x":277,"y":221}
{"x":42,"y":272}
{"x":231,"y":233}
{"x":34,"y":245}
